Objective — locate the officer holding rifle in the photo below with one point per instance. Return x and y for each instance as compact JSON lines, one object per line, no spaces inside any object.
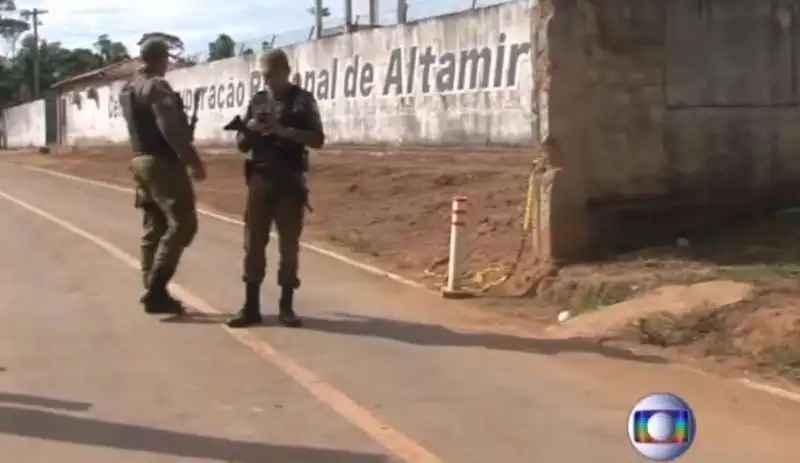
{"x":279,"y":125}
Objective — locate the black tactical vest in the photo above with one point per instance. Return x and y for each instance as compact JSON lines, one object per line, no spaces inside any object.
{"x":274,"y":153}
{"x":143,"y":129}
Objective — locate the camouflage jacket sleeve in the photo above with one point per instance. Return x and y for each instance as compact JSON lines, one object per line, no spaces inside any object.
{"x":170,"y":118}
{"x":311,"y":116}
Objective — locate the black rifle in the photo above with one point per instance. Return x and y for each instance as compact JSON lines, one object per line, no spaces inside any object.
{"x":192,"y":120}
{"x":238,"y":125}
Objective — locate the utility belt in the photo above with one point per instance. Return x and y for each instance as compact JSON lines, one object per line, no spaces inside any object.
{"x":289,"y":181}
{"x":269,"y":170}
{"x":167,"y":155}
{"x":277,"y":163}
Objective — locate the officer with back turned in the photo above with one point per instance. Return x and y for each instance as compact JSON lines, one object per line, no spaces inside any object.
{"x":280,"y":124}
{"x":162,"y":144}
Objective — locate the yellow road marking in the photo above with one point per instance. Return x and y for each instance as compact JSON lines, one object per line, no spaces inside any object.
{"x":396,"y":442}
{"x":233,"y":221}
{"x":765,"y":388}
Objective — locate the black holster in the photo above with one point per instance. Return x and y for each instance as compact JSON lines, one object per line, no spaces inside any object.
{"x":248,"y":170}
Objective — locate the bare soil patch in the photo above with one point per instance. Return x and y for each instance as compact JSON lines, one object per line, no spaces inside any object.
{"x":760,"y":334}
{"x":393,"y":210}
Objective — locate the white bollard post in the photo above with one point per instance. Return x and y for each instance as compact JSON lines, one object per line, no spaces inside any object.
{"x":455,"y":269}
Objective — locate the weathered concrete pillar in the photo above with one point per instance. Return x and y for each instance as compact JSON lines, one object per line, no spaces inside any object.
{"x":563,"y":231}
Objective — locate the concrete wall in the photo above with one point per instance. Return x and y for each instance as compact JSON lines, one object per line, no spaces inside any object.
{"x":461,"y":79}
{"x":650,"y":118}
{"x":733,"y":100}
{"x":24,"y":126}
{"x":664,"y":117}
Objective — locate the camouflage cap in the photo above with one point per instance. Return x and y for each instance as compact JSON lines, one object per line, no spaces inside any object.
{"x":154,"y":50}
{"x":273,"y":59}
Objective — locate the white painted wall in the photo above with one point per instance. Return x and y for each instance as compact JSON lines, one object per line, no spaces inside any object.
{"x":89,"y":120}
{"x":24,"y":125}
{"x":353,"y":77}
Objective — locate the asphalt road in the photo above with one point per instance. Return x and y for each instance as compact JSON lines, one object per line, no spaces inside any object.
{"x":381,"y":373}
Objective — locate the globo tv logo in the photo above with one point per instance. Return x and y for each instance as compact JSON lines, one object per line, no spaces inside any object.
{"x":661,"y":427}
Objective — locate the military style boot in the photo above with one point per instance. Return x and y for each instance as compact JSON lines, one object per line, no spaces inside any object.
{"x":250,"y":313}
{"x":156,"y":299}
{"x":286,"y":315}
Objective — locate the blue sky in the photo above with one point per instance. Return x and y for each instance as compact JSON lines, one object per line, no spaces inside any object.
{"x":77,"y":23}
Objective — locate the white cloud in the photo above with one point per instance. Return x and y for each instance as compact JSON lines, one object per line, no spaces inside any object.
{"x":78,"y":23}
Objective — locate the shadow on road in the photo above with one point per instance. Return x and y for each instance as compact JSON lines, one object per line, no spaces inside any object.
{"x":197,"y":318}
{"x":43,"y":402}
{"x":436,"y":335}
{"x":57,"y":427}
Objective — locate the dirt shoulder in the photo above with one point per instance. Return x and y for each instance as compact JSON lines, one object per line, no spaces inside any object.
{"x":393,"y":211}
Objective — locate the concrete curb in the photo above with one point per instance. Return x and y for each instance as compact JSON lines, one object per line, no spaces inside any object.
{"x":748,"y":383}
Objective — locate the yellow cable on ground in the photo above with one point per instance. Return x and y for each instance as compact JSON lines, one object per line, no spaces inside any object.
{"x":481,"y":278}
{"x":527,"y":220}
{"x":527,"y":225}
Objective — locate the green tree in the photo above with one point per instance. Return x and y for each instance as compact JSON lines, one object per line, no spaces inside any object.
{"x":56,"y":63}
{"x":7,"y":6}
{"x":22,"y":70}
{"x":221,"y":48}
{"x":110,"y":51}
{"x":67,"y":63}
{"x":12,"y":78}
{"x":11,"y":29}
{"x":10,"y":81}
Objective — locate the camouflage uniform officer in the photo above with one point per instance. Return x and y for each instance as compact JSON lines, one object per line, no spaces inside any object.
{"x":281,"y":123}
{"x":162,"y":145}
